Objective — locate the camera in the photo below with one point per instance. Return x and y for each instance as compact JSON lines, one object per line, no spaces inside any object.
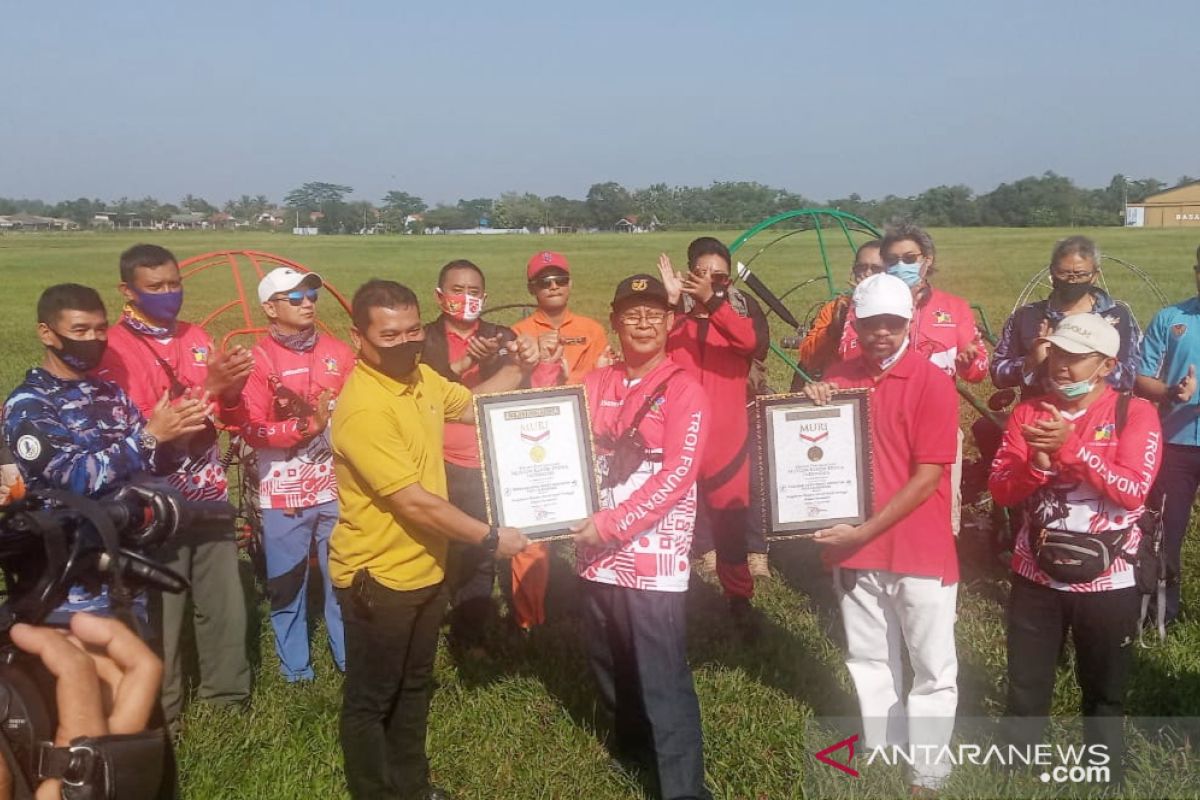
{"x":50,"y":541}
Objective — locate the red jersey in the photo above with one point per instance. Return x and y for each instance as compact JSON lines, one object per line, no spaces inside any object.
{"x":295,"y":470}
{"x":942,"y":326}
{"x":647,"y":522}
{"x":717,"y":351}
{"x":1098,"y":482}
{"x":460,"y":444}
{"x":143,"y":365}
{"x":914,"y":420}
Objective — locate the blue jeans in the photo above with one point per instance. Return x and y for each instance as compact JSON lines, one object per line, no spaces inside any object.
{"x":287,"y":538}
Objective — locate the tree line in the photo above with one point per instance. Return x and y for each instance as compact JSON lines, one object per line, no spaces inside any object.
{"x":1035,"y":201}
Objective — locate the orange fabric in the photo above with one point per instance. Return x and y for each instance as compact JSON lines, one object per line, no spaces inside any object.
{"x":530,"y":578}
{"x":584,"y":340}
{"x":819,"y":347}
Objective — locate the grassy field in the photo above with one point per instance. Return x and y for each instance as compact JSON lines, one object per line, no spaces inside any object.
{"x":523,"y":723}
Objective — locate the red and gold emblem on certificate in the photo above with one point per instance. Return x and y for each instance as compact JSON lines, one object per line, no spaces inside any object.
{"x":537,"y":453}
{"x":814,"y":452}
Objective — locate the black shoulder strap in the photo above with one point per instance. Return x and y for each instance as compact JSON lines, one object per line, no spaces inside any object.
{"x":1122,"y":411}
{"x":651,"y":398}
{"x":177,"y":387}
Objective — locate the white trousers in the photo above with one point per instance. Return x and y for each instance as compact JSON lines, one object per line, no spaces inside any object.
{"x":883,"y":612}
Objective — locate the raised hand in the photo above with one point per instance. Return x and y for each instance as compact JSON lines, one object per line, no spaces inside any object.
{"x":227,"y":373}
{"x":670,"y":278}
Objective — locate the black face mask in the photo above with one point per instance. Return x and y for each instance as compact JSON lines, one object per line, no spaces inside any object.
{"x":399,"y":360}
{"x":1070,"y":292}
{"x":80,"y":354}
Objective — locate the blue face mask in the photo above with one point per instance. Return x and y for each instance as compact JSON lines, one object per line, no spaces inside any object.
{"x":160,"y":306}
{"x":909,"y":273}
{"x":1076,"y":389}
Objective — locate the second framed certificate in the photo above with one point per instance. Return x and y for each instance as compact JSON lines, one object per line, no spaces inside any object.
{"x":815,"y":461}
{"x":539,"y":468}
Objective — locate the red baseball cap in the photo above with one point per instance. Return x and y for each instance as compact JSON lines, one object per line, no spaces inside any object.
{"x":545,"y":260}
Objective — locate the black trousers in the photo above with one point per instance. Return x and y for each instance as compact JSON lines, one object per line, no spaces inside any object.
{"x":637,"y":648}
{"x":1103,"y":628}
{"x":1178,"y":479}
{"x":470,"y":570}
{"x":389,"y":681}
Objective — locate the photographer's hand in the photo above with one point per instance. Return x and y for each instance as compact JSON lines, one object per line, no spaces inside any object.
{"x":106,"y":680}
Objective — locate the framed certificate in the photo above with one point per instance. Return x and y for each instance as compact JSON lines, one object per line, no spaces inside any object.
{"x":539,"y":466}
{"x":815,"y":462}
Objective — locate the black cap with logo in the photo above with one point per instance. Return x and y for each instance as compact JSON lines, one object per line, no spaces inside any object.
{"x":640,"y":287}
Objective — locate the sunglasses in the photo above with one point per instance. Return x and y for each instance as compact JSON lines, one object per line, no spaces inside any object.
{"x":551,"y":281}
{"x":298,"y":296}
{"x":908,"y":260}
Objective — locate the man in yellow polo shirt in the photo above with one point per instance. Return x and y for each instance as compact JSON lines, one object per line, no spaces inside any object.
{"x":387,"y":555}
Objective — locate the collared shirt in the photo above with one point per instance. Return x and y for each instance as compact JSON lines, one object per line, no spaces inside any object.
{"x":1021,"y":331}
{"x":583,"y":338}
{"x":943,"y":326}
{"x":387,"y":435}
{"x":913,"y":411}
{"x":1098,"y":482}
{"x":1171,"y":345}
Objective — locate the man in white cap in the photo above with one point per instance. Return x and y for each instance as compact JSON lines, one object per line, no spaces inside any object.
{"x":298,"y":372}
{"x":896,"y":575}
{"x":1079,"y":461}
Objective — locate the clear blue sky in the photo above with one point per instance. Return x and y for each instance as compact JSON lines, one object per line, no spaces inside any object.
{"x":466,"y":99}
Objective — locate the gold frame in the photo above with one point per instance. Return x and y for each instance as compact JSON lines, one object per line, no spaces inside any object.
{"x":592,"y":492}
{"x":865,"y":445}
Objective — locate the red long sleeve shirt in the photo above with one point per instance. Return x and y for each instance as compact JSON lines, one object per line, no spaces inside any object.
{"x":647,"y":522}
{"x":295,"y":469}
{"x":1098,"y":481}
{"x":717,"y":351}
{"x":132,"y":362}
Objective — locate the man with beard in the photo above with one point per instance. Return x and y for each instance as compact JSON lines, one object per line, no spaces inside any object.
{"x":387,"y":555}
{"x":298,"y":371}
{"x":896,"y":575}
{"x":74,"y":432}
{"x":152,"y":353}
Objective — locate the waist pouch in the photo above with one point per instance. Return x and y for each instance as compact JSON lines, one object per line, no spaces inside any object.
{"x":1077,"y":557}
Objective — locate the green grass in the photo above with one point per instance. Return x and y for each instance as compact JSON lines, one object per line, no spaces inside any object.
{"x":523,"y":723}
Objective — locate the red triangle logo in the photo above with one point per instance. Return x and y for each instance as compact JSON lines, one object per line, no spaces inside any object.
{"x":824,"y":756}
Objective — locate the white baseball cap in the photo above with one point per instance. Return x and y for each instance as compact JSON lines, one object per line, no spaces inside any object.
{"x":284,"y":279}
{"x":883,"y":294}
{"x":1086,"y":333}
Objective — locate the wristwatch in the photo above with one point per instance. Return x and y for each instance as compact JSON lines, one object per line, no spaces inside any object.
{"x":492,"y":540}
{"x":148,"y":442}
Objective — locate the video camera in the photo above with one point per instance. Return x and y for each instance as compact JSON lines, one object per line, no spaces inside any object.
{"x":50,"y":541}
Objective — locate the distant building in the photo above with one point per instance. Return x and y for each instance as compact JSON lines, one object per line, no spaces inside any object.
{"x":33,"y":222}
{"x":1174,"y":208}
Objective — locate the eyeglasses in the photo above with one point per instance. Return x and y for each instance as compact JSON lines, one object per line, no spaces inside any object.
{"x":1072,"y":277}
{"x":298,"y":296}
{"x":632,"y":319}
{"x":908,"y":260}
{"x":551,"y":281}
